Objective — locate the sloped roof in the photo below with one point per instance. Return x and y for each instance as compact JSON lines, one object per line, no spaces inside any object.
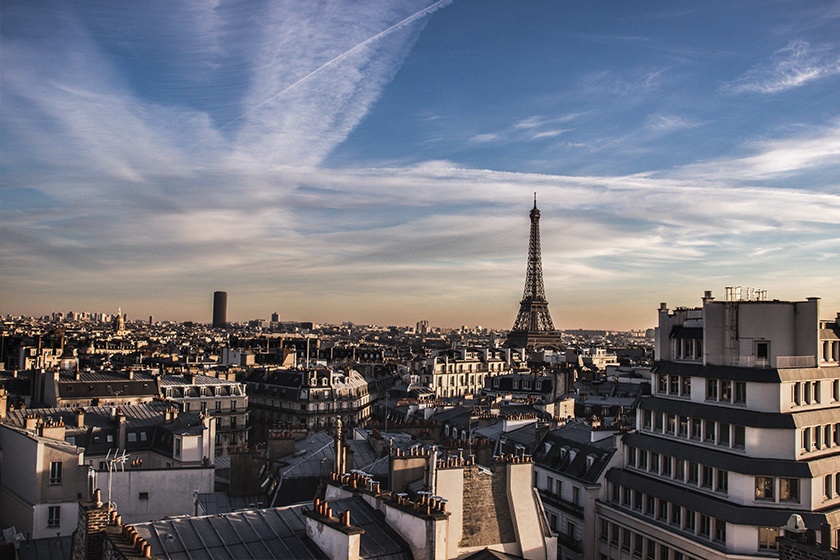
{"x":274,"y":533}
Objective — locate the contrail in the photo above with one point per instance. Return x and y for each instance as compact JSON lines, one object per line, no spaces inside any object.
{"x":409,"y":19}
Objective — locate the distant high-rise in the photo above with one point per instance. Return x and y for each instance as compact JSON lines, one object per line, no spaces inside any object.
{"x":533,"y":327}
{"x":219,"y":310}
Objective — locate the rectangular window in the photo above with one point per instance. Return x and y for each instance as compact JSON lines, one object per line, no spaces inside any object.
{"x":711,"y":389}
{"x":835,"y":389}
{"x":817,"y":391}
{"x":55,"y":472}
{"x":690,"y":520}
{"x":54,"y":516}
{"x":693,"y":472}
{"x":232,"y":406}
{"x":671,"y":423}
{"x":705,"y":525}
{"x":767,"y":538}
{"x":686,"y":386}
{"x":740,"y":392}
{"x":674,"y":382}
{"x":828,"y":483}
{"x":143,"y":496}
{"x":709,"y":433}
{"x":576,"y":495}
{"x":696,"y":428}
{"x":762,"y":350}
{"x":638,"y":545}
{"x":764,"y":488}
{"x":827,"y":435}
{"x":789,"y":489}
{"x":683,"y":421}
{"x":795,"y":394}
{"x":177,"y":447}
{"x":650,"y":505}
{"x":666,"y":466}
{"x":654,"y":462}
{"x":662,"y":383}
{"x":637,"y":500}
{"x":643,"y":459}
{"x":662,"y":512}
{"x":707,"y":476}
{"x":806,"y":439}
{"x":631,"y":456}
{"x":614,"y":535}
{"x":218,"y":406}
{"x":132,"y":437}
{"x":659,"y":425}
{"x":806,"y":392}
{"x":722,"y":483}
{"x":647,"y":419}
{"x":605,"y":530}
{"x":723,"y":434}
{"x":675,"y":514}
{"x":740,"y":438}
{"x":725,"y":391}
{"x":625,"y":539}
{"x":720,"y":530}
{"x":679,"y":469}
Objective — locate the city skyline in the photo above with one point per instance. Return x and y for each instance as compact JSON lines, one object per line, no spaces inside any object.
{"x":376,"y":163}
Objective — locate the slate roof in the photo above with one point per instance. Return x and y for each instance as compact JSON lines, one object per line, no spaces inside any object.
{"x":274,"y":533}
{"x":555,"y":453}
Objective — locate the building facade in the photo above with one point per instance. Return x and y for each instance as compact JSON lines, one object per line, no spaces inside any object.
{"x":223,"y":399}
{"x":742,"y":429}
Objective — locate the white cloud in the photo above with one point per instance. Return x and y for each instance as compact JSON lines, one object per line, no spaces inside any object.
{"x":793,"y":66}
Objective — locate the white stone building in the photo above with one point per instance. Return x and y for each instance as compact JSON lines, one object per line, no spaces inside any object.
{"x":742,"y":429}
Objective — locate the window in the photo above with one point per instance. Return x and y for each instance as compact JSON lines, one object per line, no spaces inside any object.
{"x":705,"y":525}
{"x":674,"y":382}
{"x":666,"y":466}
{"x":828,"y":482}
{"x":575,"y":495}
{"x":637,"y":500}
{"x":764,"y":486}
{"x":143,"y":496}
{"x":795,"y":394}
{"x":654,"y":462}
{"x":725,"y":391}
{"x":625,"y":539}
{"x":232,"y":405}
{"x":767,"y":538}
{"x":650,"y":505}
{"x":647,"y":419}
{"x":708,"y":474}
{"x":683,"y":426}
{"x":740,"y":437}
{"x":55,"y":473}
{"x":631,"y":456}
{"x":712,"y":389}
{"x":690,"y":520}
{"x":693,"y":472}
{"x":686,"y":386}
{"x":671,"y":423}
{"x":662,"y":512}
{"x":643,"y":459}
{"x":54,"y":516}
{"x":177,"y":447}
{"x":696,"y":428}
{"x":807,"y":392}
{"x":740,"y":392}
{"x":709,"y":433}
{"x":662,"y":383}
{"x":722,"y":483}
{"x":789,"y":489}
{"x":605,"y":530}
{"x":132,"y":437}
{"x":835,"y":389}
{"x":720,"y":530}
{"x":806,"y":439}
{"x":762,"y":350}
{"x":723,"y":434}
{"x":638,"y":545}
{"x":675,"y":514}
{"x":614,"y":535}
{"x":570,"y":529}
{"x":679,"y":469}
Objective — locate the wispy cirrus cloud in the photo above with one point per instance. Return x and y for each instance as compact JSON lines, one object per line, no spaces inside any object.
{"x":793,"y":66}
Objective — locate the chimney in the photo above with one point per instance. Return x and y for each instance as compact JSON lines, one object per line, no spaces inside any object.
{"x":707,"y":296}
{"x":80,"y":417}
{"x":121,"y":428}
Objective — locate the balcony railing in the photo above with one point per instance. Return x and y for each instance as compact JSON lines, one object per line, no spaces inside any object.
{"x":556,"y":501}
{"x":781,"y":362}
{"x":571,"y":543}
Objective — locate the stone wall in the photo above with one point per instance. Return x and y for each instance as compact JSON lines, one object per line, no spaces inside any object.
{"x":487,"y":518}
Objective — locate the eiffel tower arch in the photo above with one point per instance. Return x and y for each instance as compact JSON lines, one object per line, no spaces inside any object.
{"x":533,"y":327}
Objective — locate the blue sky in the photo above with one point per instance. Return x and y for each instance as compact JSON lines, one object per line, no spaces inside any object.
{"x":375,"y":161}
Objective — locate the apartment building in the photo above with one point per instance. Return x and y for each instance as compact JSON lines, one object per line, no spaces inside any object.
{"x":458,"y":372}
{"x":150,"y":457}
{"x":741,"y":431}
{"x":224,"y":399}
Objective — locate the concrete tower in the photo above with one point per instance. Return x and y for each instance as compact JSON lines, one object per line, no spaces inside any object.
{"x":219,"y":310}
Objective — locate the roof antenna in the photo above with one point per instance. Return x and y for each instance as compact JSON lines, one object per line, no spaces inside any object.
{"x":535,"y":200}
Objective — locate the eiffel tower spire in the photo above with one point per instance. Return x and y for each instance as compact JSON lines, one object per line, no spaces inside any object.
{"x":533,"y":326}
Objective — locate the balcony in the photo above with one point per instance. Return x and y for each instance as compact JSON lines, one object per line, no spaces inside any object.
{"x":781,"y":362}
{"x":556,"y":501}
{"x":571,"y":543}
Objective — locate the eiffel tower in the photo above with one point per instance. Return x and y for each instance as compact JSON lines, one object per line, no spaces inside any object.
{"x":533,"y":327}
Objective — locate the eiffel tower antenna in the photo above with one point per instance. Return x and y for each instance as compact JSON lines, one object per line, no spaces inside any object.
{"x":533,"y":326}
